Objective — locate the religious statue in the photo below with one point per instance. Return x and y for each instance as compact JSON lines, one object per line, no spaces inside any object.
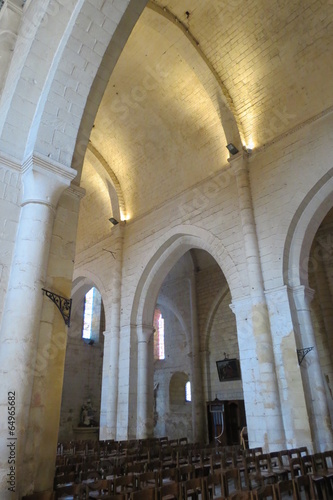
{"x":87,"y":416}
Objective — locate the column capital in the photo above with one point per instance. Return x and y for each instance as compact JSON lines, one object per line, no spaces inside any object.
{"x":302,"y":295}
{"x":144,"y":332}
{"x":44,"y":180}
{"x":75,"y":192}
{"x":241,"y":305}
{"x":239,"y":162}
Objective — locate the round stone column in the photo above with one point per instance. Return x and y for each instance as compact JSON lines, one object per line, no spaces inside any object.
{"x":312,"y":375}
{"x":198,"y":408}
{"x":43,"y":183}
{"x":109,"y":401}
{"x":268,"y":400}
{"x":145,"y":393}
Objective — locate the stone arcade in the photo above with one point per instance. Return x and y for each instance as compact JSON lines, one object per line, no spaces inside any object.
{"x":123,"y":109}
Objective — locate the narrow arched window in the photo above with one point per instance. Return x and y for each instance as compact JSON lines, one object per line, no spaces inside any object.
{"x":92,"y":315}
{"x":159,"y":351}
{"x":188,"y":396}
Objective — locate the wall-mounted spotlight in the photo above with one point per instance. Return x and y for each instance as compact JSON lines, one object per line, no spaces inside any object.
{"x":232,"y":149}
{"x":113,"y":221}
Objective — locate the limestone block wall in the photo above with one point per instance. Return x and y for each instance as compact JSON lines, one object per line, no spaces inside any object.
{"x":82,"y":377}
{"x":281,"y":178}
{"x":223,"y":339}
{"x":174,"y":420}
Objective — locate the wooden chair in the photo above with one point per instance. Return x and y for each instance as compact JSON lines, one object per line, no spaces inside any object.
{"x":296,"y":467}
{"x":168,"y":475}
{"x":318,"y":480}
{"x":251,"y":477}
{"x":231,"y":481}
{"x":123,"y":484}
{"x":281,"y":472}
{"x":135,"y":468}
{"x":285,"y":459}
{"x":186,"y":472}
{"x":320,"y":468}
{"x":285,"y":487}
{"x":240,"y":495}
{"x":170,"y":491}
{"x":146,"y":494}
{"x":215,"y":462}
{"x":147,"y":480}
{"x":328,"y":463}
{"x":192,"y":488}
{"x":264,"y":468}
{"x":304,"y":487}
{"x":99,"y":489}
{"x":303,"y":451}
{"x":214,"y":487}
{"x":264,"y":493}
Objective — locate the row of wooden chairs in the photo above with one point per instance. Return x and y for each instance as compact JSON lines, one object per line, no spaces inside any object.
{"x":110,"y":447}
{"x":226,"y":486}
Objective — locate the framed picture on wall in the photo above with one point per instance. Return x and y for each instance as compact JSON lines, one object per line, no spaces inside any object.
{"x":228,"y":369}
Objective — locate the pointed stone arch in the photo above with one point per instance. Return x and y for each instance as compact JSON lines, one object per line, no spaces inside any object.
{"x":159,"y":262}
{"x":302,"y":230}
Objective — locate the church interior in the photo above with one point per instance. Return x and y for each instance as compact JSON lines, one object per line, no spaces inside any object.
{"x":166,"y":242}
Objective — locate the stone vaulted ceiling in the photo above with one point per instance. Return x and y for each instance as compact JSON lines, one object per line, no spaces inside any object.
{"x":190,"y":70}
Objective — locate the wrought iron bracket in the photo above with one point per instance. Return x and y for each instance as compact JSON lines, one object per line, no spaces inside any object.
{"x":301,"y":353}
{"x":64,"y":305}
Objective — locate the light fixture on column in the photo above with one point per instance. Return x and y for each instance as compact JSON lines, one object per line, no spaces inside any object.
{"x":113,"y":221}
{"x":232,"y":149}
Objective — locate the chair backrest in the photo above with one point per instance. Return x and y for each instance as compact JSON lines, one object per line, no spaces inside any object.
{"x":284,"y":457}
{"x":304,"y":484}
{"x":170,"y":490}
{"x":287,"y":486}
{"x":102,"y":486}
{"x":263,"y":462}
{"x":213,"y":482}
{"x":171,"y":474}
{"x":296,"y":467}
{"x":303,"y":451}
{"x":147,"y":479}
{"x":193,"y":487}
{"x":275,"y":459}
{"x":319,"y":463}
{"x":307,"y":463}
{"x":328,"y":457}
{"x":265,"y":492}
{"x":186,"y":472}
{"x":145,"y":494}
{"x":231,"y":476}
{"x":123,"y":484}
